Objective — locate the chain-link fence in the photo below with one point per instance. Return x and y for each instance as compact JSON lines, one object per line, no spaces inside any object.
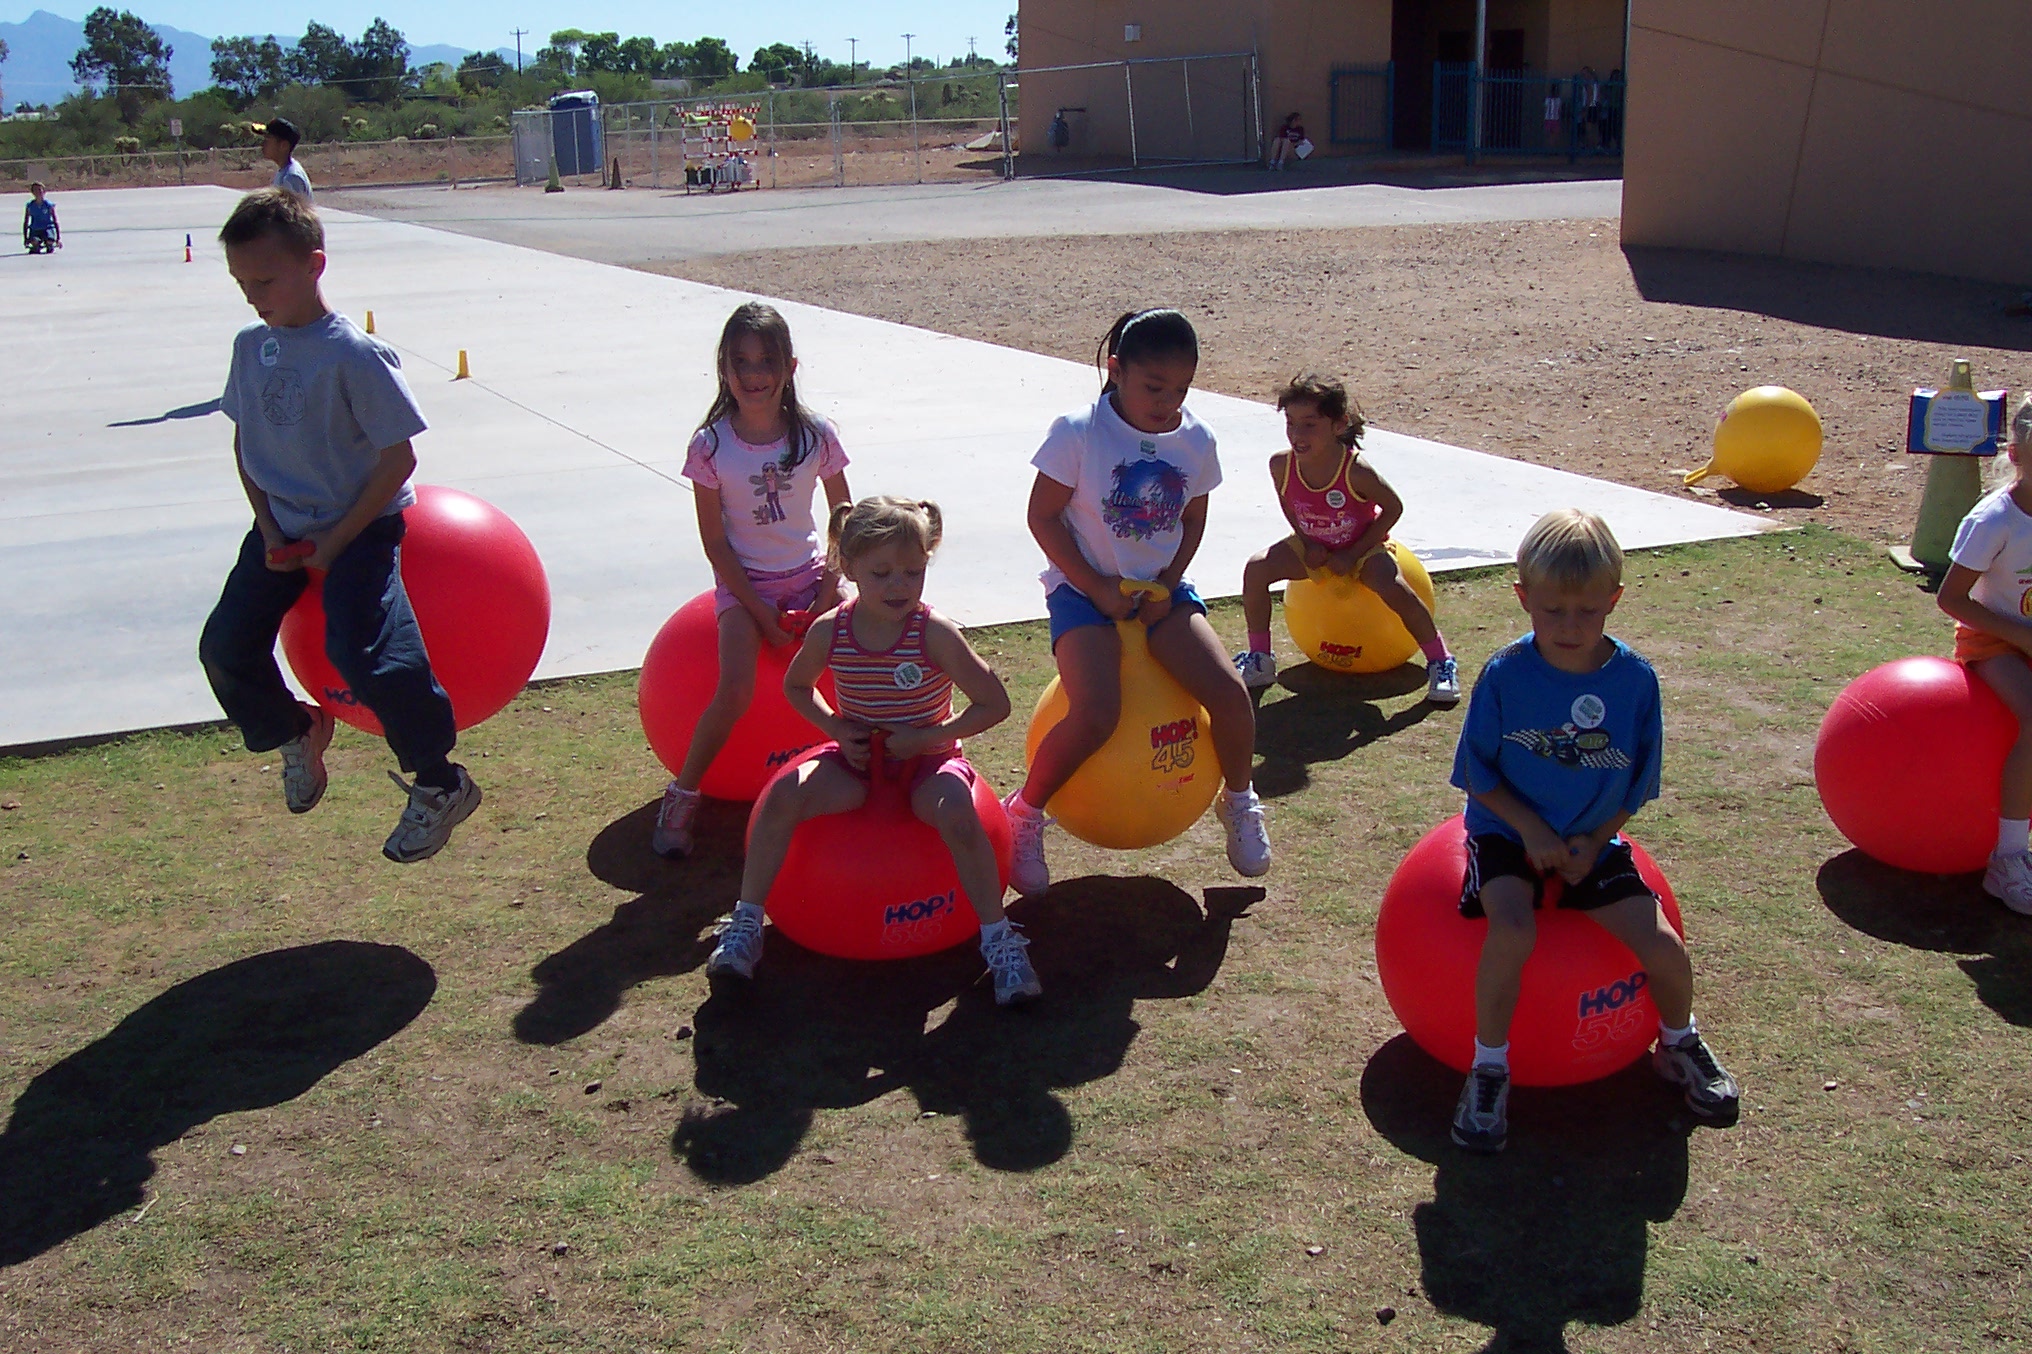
{"x":335,"y":164}
{"x":950,"y":127}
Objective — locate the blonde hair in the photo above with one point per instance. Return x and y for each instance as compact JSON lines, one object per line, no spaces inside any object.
{"x":856,"y":528}
{"x":2021,"y":425}
{"x":1569,"y":549}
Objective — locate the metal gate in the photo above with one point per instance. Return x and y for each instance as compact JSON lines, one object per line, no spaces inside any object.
{"x":1362,"y":106}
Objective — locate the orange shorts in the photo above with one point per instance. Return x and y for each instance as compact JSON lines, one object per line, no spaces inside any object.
{"x":1973,"y":646}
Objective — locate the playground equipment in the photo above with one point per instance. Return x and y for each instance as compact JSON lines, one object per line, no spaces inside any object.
{"x":1342,"y":624}
{"x":481,"y":600}
{"x":878,"y":882}
{"x":708,"y":141}
{"x":1155,"y":775}
{"x":1584,"y":1010}
{"x":1768,"y":439}
{"x":1909,"y":763}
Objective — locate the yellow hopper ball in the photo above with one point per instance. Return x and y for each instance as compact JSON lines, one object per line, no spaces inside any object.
{"x":1342,"y":624}
{"x":742,"y":129}
{"x":1767,"y":441}
{"x":1157,"y":772}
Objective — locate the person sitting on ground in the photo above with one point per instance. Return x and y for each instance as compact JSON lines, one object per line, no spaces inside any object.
{"x":1286,"y":144}
{"x":894,"y":663}
{"x":1988,"y":582}
{"x":1341,"y":526}
{"x":322,"y":429}
{"x":1561,"y":745}
{"x":278,"y":145}
{"x":40,"y":232}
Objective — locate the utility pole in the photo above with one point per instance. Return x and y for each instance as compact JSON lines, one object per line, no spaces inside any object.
{"x":519,"y":32}
{"x":853,"y":61}
{"x":970,"y":51}
{"x":910,"y":77}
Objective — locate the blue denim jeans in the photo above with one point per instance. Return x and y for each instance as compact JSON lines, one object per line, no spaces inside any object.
{"x":370,"y":633}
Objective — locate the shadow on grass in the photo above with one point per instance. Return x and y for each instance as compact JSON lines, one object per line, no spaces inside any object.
{"x":1946,"y":914}
{"x":660,"y":933}
{"x":1328,"y":716}
{"x":814,"y":1033}
{"x":257,"y":1032}
{"x":1754,"y":498}
{"x":1553,"y":1230}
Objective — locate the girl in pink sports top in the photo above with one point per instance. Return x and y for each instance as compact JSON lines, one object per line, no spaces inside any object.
{"x":895,"y":663}
{"x":1341,"y":513}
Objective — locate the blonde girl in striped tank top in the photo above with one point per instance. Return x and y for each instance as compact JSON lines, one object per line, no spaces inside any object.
{"x":895,"y":663}
{"x":1341,"y":513}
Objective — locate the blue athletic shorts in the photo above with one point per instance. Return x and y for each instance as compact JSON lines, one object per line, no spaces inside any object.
{"x":1070,"y":609}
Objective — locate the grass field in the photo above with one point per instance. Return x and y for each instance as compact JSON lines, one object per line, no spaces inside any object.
{"x":269,"y":1092}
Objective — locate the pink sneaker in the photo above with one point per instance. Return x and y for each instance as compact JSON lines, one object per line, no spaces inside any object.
{"x":672,"y":837}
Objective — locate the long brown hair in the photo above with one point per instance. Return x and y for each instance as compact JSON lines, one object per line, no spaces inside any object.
{"x":1332,"y":400}
{"x":766,"y":323}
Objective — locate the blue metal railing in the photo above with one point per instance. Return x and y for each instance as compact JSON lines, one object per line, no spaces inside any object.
{"x":1362,"y":106}
{"x":1524,"y":113}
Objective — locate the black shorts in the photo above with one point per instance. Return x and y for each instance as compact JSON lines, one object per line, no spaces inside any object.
{"x":1494,"y":856}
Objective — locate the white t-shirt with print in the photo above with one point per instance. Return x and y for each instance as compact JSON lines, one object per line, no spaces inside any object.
{"x":1995,"y":540}
{"x":766,"y":508}
{"x":1129,"y":488}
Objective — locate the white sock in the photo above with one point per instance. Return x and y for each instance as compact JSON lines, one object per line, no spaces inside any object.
{"x":2012,"y":835}
{"x":1499,"y":1056}
{"x":1018,"y":804}
{"x":1239,"y":797}
{"x":753,"y":910}
{"x":993,"y":930}
{"x":1674,"y":1036}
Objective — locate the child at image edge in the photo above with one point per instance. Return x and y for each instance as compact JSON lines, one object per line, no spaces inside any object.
{"x":895,"y":663}
{"x":1121,"y":494}
{"x":755,"y":463}
{"x":1340,"y":526}
{"x":40,"y":230}
{"x":1988,"y":591}
{"x":322,"y":422}
{"x":1561,"y":745}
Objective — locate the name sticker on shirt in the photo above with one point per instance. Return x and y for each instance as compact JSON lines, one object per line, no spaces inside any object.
{"x":909,"y":676}
{"x":1336,"y":499}
{"x":1147,"y":447}
{"x":271,"y":351}
{"x":1589,"y":711}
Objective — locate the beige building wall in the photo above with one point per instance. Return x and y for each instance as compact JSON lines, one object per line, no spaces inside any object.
{"x":1884,"y":133}
{"x":1585,"y":33}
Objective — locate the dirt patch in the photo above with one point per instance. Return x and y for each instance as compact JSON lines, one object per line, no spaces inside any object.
{"x":1541,"y":340}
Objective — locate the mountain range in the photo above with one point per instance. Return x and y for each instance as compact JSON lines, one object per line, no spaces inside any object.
{"x":40,"y":48}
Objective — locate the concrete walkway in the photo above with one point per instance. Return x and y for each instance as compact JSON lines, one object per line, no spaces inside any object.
{"x":641,"y":225}
{"x":120,"y":511}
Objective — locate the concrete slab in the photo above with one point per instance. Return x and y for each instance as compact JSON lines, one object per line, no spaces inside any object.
{"x":120,"y":511}
{"x":652,"y":226}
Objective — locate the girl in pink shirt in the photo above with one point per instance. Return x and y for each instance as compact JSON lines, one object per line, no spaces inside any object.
{"x":895,"y":663}
{"x":1341,"y":513}
{"x":756,"y":462}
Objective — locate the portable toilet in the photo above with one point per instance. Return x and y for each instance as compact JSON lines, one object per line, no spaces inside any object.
{"x":575,"y":132}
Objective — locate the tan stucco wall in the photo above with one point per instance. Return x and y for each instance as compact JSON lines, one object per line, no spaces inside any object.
{"x":1841,"y":131}
{"x":1585,"y":33}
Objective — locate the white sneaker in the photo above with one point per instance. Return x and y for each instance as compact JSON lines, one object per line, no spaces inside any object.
{"x":1442,"y":681}
{"x":1028,"y":874}
{"x":1248,"y":839}
{"x":740,"y":945}
{"x":303,"y":762}
{"x":429,"y":817}
{"x":2009,"y":878}
{"x":1258,"y":669}
{"x":672,"y":836}
{"x":1015,"y":981}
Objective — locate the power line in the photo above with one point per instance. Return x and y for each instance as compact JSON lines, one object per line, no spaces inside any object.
{"x":519,"y":34}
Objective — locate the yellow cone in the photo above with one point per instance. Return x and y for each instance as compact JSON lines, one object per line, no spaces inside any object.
{"x":463,"y":375}
{"x":370,"y":321}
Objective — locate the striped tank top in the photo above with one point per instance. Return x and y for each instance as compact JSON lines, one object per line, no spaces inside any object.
{"x":1333,"y":515}
{"x":900,"y":687}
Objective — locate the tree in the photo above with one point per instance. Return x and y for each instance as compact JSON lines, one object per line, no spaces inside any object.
{"x":482,"y":71}
{"x":673,"y":60}
{"x":1010,"y":46}
{"x":380,"y":63}
{"x":128,"y":55}
{"x":712,"y":59}
{"x":249,"y":68}
{"x":322,"y":56}
{"x":638,"y":56}
{"x":778,"y":61}
{"x":562,"y":55}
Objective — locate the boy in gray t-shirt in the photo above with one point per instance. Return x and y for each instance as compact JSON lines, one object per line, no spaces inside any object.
{"x":322,"y":428}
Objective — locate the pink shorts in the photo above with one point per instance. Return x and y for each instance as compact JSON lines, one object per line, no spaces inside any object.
{"x":922,"y":769}
{"x":792,"y":590}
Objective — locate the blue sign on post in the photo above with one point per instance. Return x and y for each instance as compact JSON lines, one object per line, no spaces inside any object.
{"x":1955,"y":422}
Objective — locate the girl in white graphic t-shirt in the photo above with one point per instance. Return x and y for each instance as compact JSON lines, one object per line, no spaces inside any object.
{"x":755,"y":463}
{"x":1988,"y":591}
{"x":1121,"y":494}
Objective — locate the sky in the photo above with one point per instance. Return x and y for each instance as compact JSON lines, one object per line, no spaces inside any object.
{"x":942,"y":26}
